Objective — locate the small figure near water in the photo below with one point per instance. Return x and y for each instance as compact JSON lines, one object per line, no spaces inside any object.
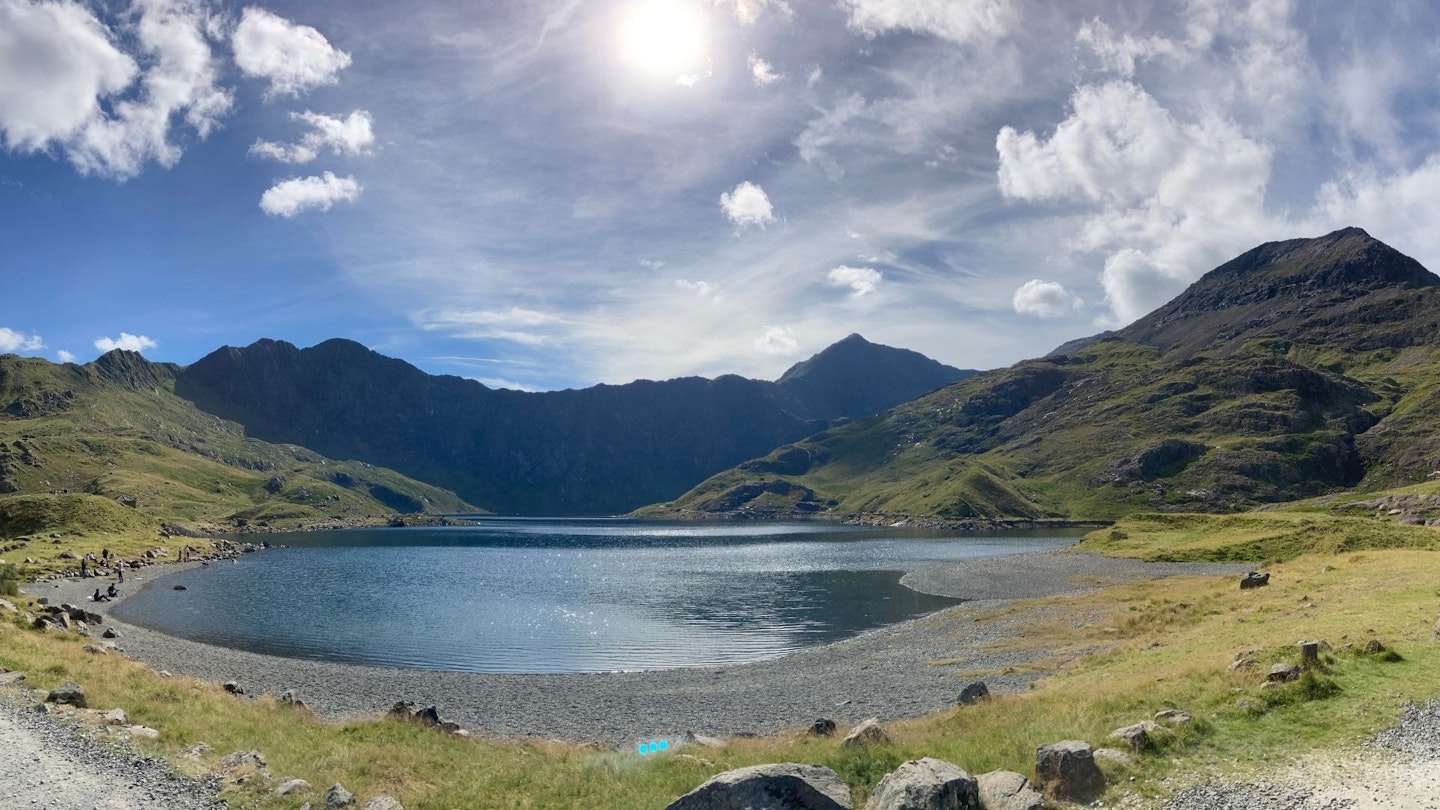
{"x":120,"y":571}
{"x":111,"y":591}
{"x":99,"y":597}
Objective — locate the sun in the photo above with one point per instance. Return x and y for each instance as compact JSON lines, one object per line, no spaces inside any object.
{"x":663,"y":38}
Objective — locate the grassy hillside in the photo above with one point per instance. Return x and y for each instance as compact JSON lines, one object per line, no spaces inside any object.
{"x":1300,"y":369}
{"x":107,"y":449}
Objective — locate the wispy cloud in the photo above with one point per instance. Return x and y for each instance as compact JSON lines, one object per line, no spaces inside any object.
{"x":351,"y":135}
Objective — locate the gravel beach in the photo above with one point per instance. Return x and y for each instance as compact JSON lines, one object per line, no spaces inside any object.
{"x":888,"y":673}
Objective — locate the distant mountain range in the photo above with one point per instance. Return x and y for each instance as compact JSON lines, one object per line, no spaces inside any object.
{"x":601,"y":450}
{"x":1299,"y":368}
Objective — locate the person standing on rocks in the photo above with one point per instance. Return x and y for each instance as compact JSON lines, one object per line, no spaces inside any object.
{"x":120,"y":571}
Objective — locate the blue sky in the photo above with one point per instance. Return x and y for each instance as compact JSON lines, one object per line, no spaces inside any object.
{"x":555,"y":194}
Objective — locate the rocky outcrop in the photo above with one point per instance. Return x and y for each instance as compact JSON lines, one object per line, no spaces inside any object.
{"x":784,"y":786}
{"x":1068,"y":770}
{"x":926,"y":784}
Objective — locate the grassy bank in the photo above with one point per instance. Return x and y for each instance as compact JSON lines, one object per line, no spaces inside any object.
{"x":1154,"y":646}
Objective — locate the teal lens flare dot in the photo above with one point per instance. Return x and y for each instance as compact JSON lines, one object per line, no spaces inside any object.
{"x":654,"y":746}
{"x":643,"y":748}
{"x":664,"y":745}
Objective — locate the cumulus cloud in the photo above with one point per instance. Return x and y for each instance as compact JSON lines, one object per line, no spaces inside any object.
{"x":702,"y":289}
{"x":860,"y":280}
{"x":777,"y":340}
{"x":351,"y":135}
{"x":956,"y":20}
{"x":761,"y":71}
{"x":298,"y":194}
{"x":126,"y":341}
{"x":12,"y":341}
{"x":65,"y":357}
{"x":747,"y":204}
{"x":293,"y":58}
{"x":1168,"y":199}
{"x":1045,"y":299}
{"x":60,"y":63}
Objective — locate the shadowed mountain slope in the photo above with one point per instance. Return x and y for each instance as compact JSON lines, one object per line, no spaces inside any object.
{"x":1299,"y":368}
{"x":598,"y":450}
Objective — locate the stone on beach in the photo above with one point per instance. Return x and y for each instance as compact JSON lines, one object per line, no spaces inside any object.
{"x":783,"y":786}
{"x":974,"y":693}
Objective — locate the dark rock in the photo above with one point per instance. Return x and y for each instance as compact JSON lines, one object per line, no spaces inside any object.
{"x":69,"y":693}
{"x":1372,"y":647}
{"x":823,"y":728}
{"x":1007,"y":790}
{"x":110,"y":632}
{"x":292,"y":698}
{"x":181,"y":588}
{"x":1283,"y":673}
{"x":926,"y":784}
{"x":275,"y":484}
{"x":1173,"y":717}
{"x":338,"y":796}
{"x":1068,"y":769}
{"x":974,"y":693}
{"x":233,"y":688}
{"x":869,"y":732}
{"x":784,"y":786}
{"x":1254,"y":579}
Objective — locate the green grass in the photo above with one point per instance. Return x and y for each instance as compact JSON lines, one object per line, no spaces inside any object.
{"x":1251,"y":537}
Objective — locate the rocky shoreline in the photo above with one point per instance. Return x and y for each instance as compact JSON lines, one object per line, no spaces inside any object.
{"x":904,"y":670}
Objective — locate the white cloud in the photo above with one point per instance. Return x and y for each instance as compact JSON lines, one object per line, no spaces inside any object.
{"x":351,"y":135}
{"x":761,"y":71}
{"x":1045,"y":299}
{"x":293,"y":58}
{"x":528,"y":327}
{"x":702,"y":289}
{"x":290,"y":197}
{"x":747,"y":204}
{"x":956,"y":20}
{"x":1121,"y":53}
{"x":748,"y":11}
{"x":65,"y":357}
{"x":12,"y":341}
{"x":860,"y":280}
{"x":126,"y":341}
{"x":1174,"y":199}
{"x":59,"y":62}
{"x":777,"y":340}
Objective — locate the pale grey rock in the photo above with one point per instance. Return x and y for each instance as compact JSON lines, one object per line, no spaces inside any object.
{"x":926,"y":784}
{"x":1007,"y":790}
{"x":783,"y":786}
{"x":869,"y":732}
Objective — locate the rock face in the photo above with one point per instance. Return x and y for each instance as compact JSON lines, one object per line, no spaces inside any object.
{"x":1068,"y":769}
{"x":1007,"y":790}
{"x":869,"y":732}
{"x":528,"y":453}
{"x":69,"y":693}
{"x":926,"y":784}
{"x":785,"y":786}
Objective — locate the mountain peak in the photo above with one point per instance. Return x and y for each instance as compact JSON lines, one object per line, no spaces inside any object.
{"x":854,"y":377}
{"x":130,"y":369}
{"x":1285,"y":287}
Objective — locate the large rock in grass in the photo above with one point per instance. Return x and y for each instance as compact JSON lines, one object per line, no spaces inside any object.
{"x":69,"y":693}
{"x":784,"y":786}
{"x":1139,"y":737}
{"x":1007,"y":790}
{"x":338,"y":796}
{"x":869,"y":732}
{"x":926,"y":784}
{"x":1067,"y":769}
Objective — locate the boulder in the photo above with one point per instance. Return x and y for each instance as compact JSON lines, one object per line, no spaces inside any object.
{"x":784,"y":786}
{"x":1068,"y":769}
{"x":8,"y":607}
{"x":110,"y":632}
{"x":338,"y":796}
{"x":141,"y":733}
{"x":822,"y":728}
{"x":1254,"y":579}
{"x":973,"y":693}
{"x":867,"y":733}
{"x":1283,"y":673}
{"x":1138,"y":737}
{"x":292,"y":786}
{"x":115,"y":717}
{"x":233,"y":688}
{"x":926,"y":784}
{"x":1372,"y":647}
{"x":383,"y":803}
{"x":69,"y":693}
{"x":1007,"y":790}
{"x":1172,"y":717}
{"x":236,"y":759}
{"x":1243,"y":663}
{"x":94,"y":650}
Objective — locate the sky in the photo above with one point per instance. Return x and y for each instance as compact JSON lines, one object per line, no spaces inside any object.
{"x":558,"y":193}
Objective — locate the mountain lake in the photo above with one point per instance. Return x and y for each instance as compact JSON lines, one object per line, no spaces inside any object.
{"x":561,"y":595}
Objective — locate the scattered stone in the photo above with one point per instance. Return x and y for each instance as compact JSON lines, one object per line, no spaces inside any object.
{"x":1114,"y":756}
{"x":383,"y":803}
{"x":691,"y":738}
{"x":973,"y":693}
{"x":110,"y":632}
{"x":867,"y":733}
{"x":1140,"y":736}
{"x":180,"y":588}
{"x":142,"y":733}
{"x":290,"y":697}
{"x":197,"y":751}
{"x":238,"y":759}
{"x":338,"y":796}
{"x":1283,"y":673}
{"x":1254,"y":579}
{"x":1243,"y":663}
{"x":1172,"y":717}
{"x":1372,"y":647}
{"x":115,"y":717}
{"x":7,"y":607}
{"x":783,"y":786}
{"x":926,"y":784}
{"x":68,"y":693}
{"x":94,"y":650}
{"x":233,"y":688}
{"x":11,"y":678}
{"x":822,"y":728}
{"x":291,"y":786}
{"x":1007,"y":790}
{"x":1245,"y":705}
{"x":165,"y":673}
{"x":1068,"y":769}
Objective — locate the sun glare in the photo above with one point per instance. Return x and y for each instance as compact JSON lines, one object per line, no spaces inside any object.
{"x":663,"y":37}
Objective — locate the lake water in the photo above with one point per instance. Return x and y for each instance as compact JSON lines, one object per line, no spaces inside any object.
{"x":517,"y":595}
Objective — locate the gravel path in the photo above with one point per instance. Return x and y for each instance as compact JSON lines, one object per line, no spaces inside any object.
{"x":50,"y":765}
{"x":887,"y":673}
{"x":1400,"y":768}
